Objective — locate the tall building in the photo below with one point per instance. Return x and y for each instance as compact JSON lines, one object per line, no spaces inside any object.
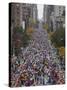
{"x":58,"y":10}
{"x":26,"y":12}
{"x":35,"y":12}
{"x":59,"y":15}
{"x":54,"y":16}
{"x":48,"y":9}
{"x":15,"y":18}
{"x":45,"y":13}
{"x":22,"y":12}
{"x":16,"y":14}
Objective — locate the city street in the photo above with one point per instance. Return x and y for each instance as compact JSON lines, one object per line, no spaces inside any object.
{"x":38,"y":62}
{"x":37,"y":52}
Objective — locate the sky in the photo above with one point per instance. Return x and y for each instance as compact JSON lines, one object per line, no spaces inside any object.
{"x":40,"y":11}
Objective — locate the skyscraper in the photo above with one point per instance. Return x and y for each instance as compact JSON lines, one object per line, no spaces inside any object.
{"x":53,"y":16}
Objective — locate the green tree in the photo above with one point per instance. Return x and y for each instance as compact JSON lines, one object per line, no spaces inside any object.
{"x":20,"y":39}
{"x":58,"y":38}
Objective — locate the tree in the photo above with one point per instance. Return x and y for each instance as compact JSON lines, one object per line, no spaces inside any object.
{"x":58,"y":38}
{"x":20,"y":39}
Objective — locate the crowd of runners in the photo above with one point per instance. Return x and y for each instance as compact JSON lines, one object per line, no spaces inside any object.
{"x":37,"y":64}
